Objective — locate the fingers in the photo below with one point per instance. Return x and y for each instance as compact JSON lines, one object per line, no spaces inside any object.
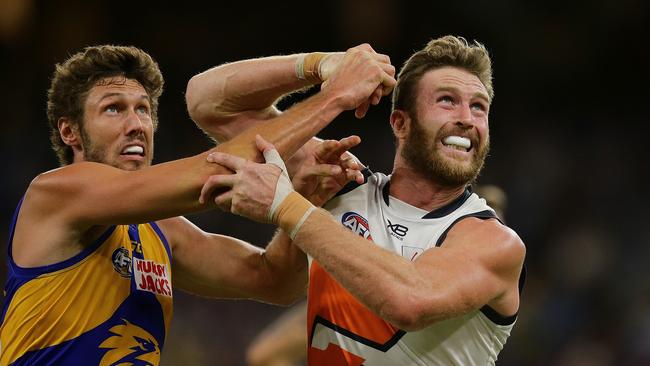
{"x":377,"y":56}
{"x":349,"y":142}
{"x":324,"y":150}
{"x":354,"y":175}
{"x":362,"y":109}
{"x":232,"y":162}
{"x":375,"y":97}
{"x":215,"y":182}
{"x":323,"y":170}
{"x":224,"y":201}
{"x":262,"y":144}
{"x":388,"y":82}
{"x":349,"y":163}
{"x":331,"y":151}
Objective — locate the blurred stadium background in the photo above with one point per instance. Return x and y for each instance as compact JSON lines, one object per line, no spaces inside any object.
{"x":569,"y":143}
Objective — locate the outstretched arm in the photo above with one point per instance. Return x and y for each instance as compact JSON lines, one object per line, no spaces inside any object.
{"x":83,"y":196}
{"x":94,"y":193}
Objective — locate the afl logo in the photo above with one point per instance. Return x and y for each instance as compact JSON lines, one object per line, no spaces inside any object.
{"x":122,"y":262}
{"x":357,"y":224}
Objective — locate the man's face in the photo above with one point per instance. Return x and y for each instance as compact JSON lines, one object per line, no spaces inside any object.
{"x":118,"y":128}
{"x":449,"y":137}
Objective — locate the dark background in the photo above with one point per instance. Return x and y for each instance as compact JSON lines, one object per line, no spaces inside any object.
{"x":568,"y":129}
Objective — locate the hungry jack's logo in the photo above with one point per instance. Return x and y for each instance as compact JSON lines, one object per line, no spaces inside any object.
{"x":152,"y":277}
{"x":357,"y":224}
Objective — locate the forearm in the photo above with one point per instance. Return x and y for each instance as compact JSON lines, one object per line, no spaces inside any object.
{"x":97,"y":191}
{"x":251,"y":86}
{"x":290,"y":130}
{"x":384,"y":282}
{"x":276,"y":275}
{"x":286,"y":268}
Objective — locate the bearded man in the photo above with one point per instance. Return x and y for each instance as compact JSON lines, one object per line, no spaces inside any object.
{"x":411,"y":268}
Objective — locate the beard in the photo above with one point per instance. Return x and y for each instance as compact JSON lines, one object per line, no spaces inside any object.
{"x":99,"y":153}
{"x":423,"y":154}
{"x":91,"y":151}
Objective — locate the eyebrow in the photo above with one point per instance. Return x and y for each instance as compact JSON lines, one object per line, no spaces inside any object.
{"x":108,"y":95}
{"x":451,"y":89}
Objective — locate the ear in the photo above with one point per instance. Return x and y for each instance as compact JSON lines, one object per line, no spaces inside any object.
{"x":69,"y":133}
{"x":400,"y":122}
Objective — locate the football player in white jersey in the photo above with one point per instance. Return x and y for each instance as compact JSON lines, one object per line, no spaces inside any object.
{"x":421,"y":271}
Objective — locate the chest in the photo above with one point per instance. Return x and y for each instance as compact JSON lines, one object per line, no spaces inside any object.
{"x":392,"y":229}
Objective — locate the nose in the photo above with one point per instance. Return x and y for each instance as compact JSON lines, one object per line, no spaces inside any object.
{"x":134,"y":123}
{"x":464,"y":115}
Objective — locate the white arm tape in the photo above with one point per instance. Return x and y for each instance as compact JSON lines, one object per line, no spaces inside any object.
{"x":284,"y":186}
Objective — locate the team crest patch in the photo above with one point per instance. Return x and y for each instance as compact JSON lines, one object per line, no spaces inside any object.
{"x":152,"y":277}
{"x":122,"y":262}
{"x":357,"y":224}
{"x":129,"y":344}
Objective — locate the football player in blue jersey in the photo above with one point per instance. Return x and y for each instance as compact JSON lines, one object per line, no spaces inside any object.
{"x":92,"y":242}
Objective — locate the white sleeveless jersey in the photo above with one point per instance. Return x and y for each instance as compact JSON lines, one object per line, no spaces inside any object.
{"x":342,"y":331}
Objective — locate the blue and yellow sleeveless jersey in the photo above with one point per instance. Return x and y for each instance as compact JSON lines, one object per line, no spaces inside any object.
{"x":111,"y":304}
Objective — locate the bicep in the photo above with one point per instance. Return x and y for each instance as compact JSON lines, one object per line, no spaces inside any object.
{"x":222,"y":126}
{"x":478,"y":263}
{"x":210,"y":264}
{"x":86,"y":194}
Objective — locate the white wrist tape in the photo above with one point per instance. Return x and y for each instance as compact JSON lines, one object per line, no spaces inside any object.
{"x":283,"y":187}
{"x":300,"y":67}
{"x":289,"y":210}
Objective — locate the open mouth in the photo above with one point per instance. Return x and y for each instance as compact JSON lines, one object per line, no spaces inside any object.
{"x":133,"y":150}
{"x":458,"y":142}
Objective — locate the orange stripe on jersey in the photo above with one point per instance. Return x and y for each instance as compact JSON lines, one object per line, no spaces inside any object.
{"x":332,"y":306}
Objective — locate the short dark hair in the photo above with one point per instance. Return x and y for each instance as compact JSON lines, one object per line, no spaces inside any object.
{"x":73,"y":79}
{"x":441,"y":52}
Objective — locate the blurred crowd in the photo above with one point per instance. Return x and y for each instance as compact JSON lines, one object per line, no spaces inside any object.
{"x":568,"y":143}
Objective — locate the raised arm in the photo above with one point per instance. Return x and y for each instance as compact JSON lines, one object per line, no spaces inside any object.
{"x":230,"y":98}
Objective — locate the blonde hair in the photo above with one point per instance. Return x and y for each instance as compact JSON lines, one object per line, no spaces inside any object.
{"x":441,"y":52}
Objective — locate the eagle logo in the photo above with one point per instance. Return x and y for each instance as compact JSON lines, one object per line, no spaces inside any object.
{"x":130,"y":345}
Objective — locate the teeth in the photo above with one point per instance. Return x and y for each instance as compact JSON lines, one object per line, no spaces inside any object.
{"x":457,"y":141}
{"x":133,"y":150}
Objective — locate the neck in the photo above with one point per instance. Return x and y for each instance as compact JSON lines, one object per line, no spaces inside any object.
{"x":411,"y":187}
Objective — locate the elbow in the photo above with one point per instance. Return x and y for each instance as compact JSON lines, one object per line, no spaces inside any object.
{"x":206,"y":111}
{"x":284,"y":290}
{"x":192,"y":98}
{"x":283,"y":295}
{"x":408,"y":312}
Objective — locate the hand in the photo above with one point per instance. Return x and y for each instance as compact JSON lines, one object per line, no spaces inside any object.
{"x":361,"y":74}
{"x":330,"y":168}
{"x":254,"y":188}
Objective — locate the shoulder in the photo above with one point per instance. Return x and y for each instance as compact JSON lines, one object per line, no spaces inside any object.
{"x":495,"y":242}
{"x":179,"y":230}
{"x":69,"y":178}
